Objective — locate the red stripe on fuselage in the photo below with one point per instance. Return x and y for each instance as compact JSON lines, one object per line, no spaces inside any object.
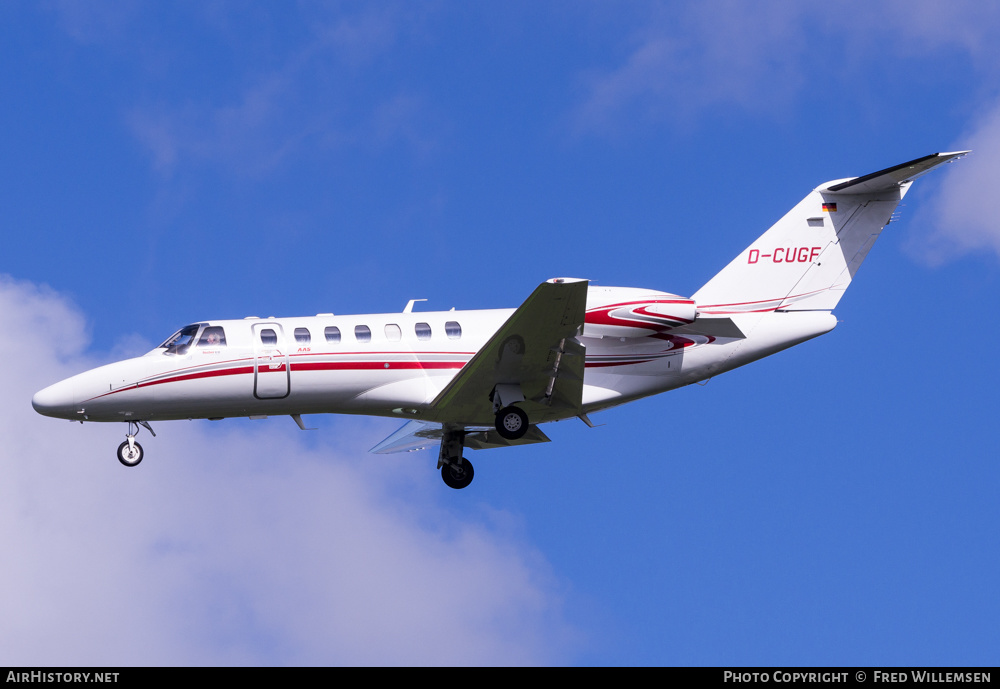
{"x":370,"y":365}
{"x":298,"y":366}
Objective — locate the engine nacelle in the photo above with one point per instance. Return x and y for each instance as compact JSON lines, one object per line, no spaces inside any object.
{"x":634,"y":312}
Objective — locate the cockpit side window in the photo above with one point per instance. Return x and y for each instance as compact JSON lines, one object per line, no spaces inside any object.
{"x":181,"y":341}
{"x":212,"y":336}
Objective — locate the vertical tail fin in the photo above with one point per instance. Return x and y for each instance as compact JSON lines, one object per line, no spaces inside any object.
{"x":807,"y":259}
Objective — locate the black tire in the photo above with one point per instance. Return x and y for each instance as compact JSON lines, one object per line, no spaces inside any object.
{"x":123,"y":454}
{"x":512,"y":423}
{"x":458,"y":477}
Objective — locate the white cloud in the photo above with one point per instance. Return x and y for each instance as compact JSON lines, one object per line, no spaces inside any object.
{"x":92,"y":23}
{"x":689,"y":58}
{"x":241,"y":546}
{"x":962,"y":209}
{"x":316,"y":92}
{"x":246,"y":135}
{"x":969,"y":25}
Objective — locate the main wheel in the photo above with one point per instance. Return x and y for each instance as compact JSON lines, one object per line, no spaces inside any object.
{"x":458,"y":476}
{"x":512,"y":423}
{"x":130,"y":457}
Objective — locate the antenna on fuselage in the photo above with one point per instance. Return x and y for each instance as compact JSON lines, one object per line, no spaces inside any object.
{"x":409,"y":305}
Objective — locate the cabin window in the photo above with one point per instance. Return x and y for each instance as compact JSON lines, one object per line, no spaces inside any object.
{"x":302,"y":335}
{"x":268,"y":337}
{"x":393,"y":333}
{"x":332,"y":333}
{"x":423,"y":331}
{"x":453,"y":330}
{"x":180,"y":341}
{"x":362,"y":333}
{"x":212,"y":336}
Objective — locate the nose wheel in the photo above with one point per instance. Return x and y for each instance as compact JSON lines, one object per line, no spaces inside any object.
{"x":130,"y":452}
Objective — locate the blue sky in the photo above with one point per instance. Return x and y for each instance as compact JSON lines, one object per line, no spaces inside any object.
{"x":171,"y":162}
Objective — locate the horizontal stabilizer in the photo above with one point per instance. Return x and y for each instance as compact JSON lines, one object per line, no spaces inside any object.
{"x":713,"y":327}
{"x":891,"y":177}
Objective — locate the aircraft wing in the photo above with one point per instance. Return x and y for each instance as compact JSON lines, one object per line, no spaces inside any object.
{"x":534,"y":352}
{"x":419,"y":435}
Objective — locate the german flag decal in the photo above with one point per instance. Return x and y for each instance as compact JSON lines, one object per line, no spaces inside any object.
{"x":829,"y":208}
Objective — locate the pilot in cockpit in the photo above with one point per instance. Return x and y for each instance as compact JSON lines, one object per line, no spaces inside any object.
{"x":213,"y":336}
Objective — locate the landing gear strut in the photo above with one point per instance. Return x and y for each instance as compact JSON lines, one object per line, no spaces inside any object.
{"x":130,"y":452}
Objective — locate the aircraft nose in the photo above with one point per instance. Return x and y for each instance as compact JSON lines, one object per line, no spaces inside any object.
{"x":55,"y":400}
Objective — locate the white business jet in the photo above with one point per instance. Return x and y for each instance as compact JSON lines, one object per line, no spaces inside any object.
{"x":486,"y":379}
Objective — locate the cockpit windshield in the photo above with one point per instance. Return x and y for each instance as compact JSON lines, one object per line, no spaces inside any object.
{"x":181,"y":341}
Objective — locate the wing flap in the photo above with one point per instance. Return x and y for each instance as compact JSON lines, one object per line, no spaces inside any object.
{"x":421,"y":435}
{"x":410,"y":437}
{"x":488,"y":439}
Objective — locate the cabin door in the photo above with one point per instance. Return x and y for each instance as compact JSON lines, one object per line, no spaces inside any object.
{"x":271,"y":375}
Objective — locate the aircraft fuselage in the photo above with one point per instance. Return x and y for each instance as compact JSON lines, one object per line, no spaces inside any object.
{"x":391,"y":364}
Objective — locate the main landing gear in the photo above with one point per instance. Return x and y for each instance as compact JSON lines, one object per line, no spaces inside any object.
{"x":458,"y":475}
{"x":130,"y":452}
{"x":456,"y":470}
{"x":512,"y":423}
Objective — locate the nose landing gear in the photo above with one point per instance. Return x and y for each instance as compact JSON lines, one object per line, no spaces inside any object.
{"x":130,"y":452}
